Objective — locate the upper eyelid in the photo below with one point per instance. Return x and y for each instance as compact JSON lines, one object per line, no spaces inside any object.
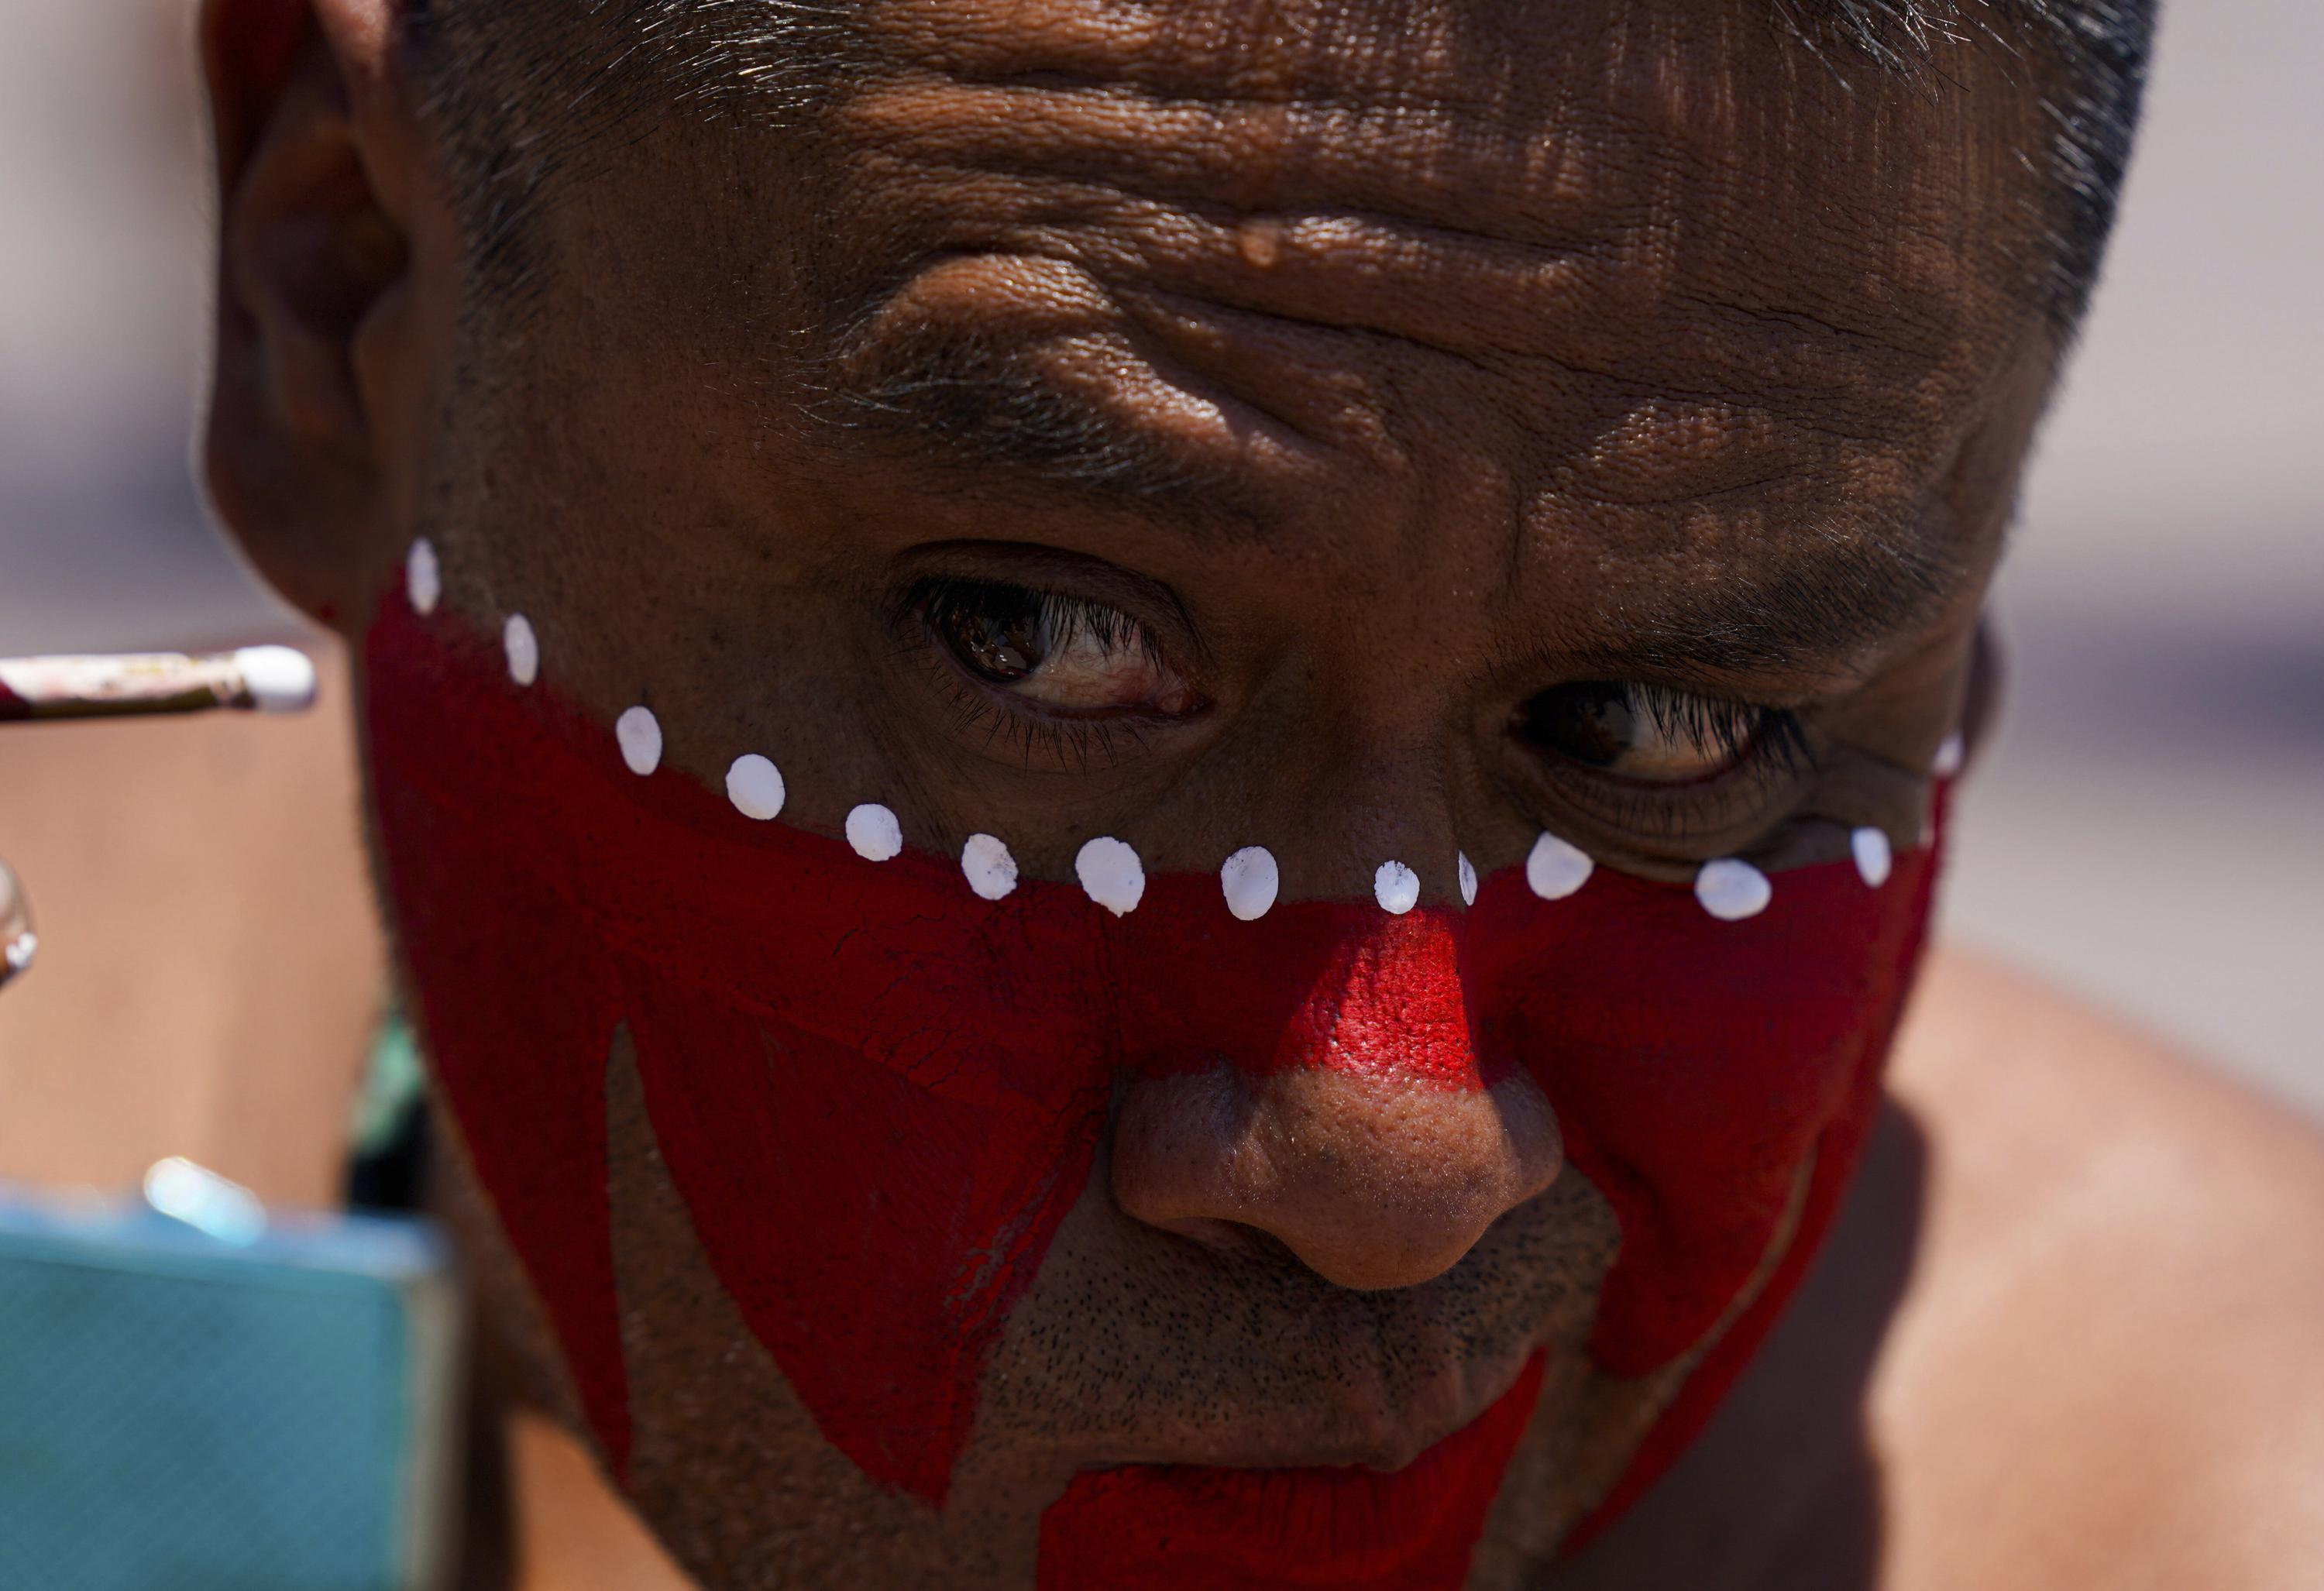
{"x":1031,"y":567}
{"x":910,"y":603}
{"x":1766,"y":741}
{"x":1078,"y":609}
{"x":1741,"y":682}
{"x":1689,"y":712}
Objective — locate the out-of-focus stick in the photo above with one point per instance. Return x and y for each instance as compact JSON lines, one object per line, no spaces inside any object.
{"x":260,"y":679}
{"x":17,"y":940}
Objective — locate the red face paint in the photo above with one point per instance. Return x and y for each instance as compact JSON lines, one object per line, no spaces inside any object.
{"x":1146,"y":1528}
{"x":878,"y":1094}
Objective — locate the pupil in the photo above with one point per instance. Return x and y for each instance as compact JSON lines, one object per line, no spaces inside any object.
{"x":1593,"y":722}
{"x":1000,"y":638}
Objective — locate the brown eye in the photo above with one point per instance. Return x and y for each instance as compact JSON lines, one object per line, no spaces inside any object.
{"x":999,"y":637}
{"x":1066,"y":653}
{"x":1649,"y":732}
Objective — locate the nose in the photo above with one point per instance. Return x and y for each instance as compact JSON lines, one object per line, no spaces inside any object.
{"x":1369,"y":1144}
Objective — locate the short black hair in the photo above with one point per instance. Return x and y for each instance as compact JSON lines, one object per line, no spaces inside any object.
{"x":2092,"y":56}
{"x":517,"y":93}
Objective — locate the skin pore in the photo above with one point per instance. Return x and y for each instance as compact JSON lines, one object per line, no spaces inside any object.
{"x":1450,"y":431}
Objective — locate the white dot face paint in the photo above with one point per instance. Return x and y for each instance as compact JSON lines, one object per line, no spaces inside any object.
{"x":1397,"y":887}
{"x":991,"y":871}
{"x":1556,"y":870}
{"x":640,"y":734}
{"x":423,"y":576}
{"x":1468,"y":881}
{"x":1874,"y":859}
{"x":755,"y":786}
{"x":524,"y":649}
{"x":1731,"y":890}
{"x":1112,"y":875}
{"x":1250,"y":880}
{"x":874,"y":832}
{"x":278,"y":679}
{"x":1951,"y":757}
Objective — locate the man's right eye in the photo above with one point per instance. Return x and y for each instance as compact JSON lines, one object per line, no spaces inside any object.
{"x":1063,"y":655}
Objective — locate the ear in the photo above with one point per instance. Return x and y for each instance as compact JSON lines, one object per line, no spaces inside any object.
{"x":1981,"y":710}
{"x":315,"y":374}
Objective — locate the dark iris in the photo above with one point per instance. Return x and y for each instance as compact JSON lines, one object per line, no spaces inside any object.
{"x":1594,"y":722}
{"x":998,"y":635}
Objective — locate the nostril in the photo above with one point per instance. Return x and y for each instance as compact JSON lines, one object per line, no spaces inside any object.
{"x":1229,"y":1239}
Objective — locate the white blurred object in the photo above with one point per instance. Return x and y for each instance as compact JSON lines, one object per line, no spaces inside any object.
{"x":280,"y":679}
{"x":205,"y":1200}
{"x":18,"y":943}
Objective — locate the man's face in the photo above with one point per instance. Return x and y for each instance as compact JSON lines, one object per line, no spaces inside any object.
{"x":1219,"y":430}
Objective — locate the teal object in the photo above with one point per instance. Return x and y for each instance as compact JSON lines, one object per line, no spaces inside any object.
{"x":259,"y":1406}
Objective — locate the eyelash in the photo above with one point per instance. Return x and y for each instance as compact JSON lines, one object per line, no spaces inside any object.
{"x":1074,"y":744}
{"x":935,"y":598}
{"x":1745,"y":734}
{"x":1766,"y":748}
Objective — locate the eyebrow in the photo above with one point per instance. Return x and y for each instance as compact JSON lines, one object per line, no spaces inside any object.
{"x":970,"y":402}
{"x":973,"y":402}
{"x":1847,"y":590}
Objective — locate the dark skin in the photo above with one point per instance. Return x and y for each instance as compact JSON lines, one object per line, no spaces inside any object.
{"x":1406,"y":386}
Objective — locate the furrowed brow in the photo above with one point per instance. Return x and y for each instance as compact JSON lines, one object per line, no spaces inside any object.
{"x":975,"y":403}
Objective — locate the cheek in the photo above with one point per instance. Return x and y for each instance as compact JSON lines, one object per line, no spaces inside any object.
{"x":876,"y":1174}
{"x":1698,"y":1067}
{"x":878,"y":1094}
{"x":875,"y":1110}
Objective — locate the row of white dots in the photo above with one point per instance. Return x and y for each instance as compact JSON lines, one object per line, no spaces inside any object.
{"x":1110,"y":873}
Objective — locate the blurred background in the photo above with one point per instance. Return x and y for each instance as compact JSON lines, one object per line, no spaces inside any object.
{"x":2149,"y":829}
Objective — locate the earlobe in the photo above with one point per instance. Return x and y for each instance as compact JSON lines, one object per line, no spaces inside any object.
{"x":312,"y":269}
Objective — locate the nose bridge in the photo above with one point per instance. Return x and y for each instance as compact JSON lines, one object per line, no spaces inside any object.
{"x":1378,"y":782}
{"x":1389,"y":1005}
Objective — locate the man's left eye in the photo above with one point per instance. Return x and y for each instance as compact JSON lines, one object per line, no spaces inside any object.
{"x":1652,"y":734}
{"x":1067,"y":655}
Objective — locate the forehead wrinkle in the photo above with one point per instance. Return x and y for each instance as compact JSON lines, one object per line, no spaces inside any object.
{"x":1588,"y":227}
{"x":1565,"y":326}
{"x":962,"y":378}
{"x":1199,"y":52}
{"x":1025,"y":365}
{"x":1602,"y":220}
{"x":1511,"y":142}
{"x":1624,"y":310}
